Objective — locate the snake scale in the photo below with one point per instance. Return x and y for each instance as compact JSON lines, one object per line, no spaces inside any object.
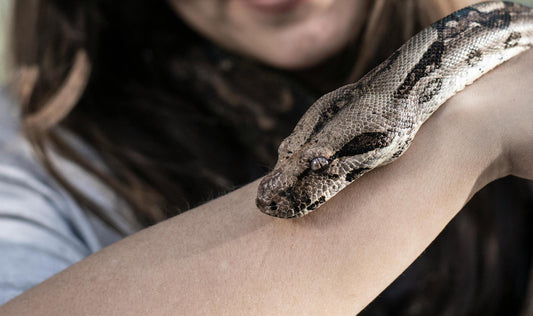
{"x":370,"y":123}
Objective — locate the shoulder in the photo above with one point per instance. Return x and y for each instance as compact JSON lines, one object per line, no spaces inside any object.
{"x":42,"y":228}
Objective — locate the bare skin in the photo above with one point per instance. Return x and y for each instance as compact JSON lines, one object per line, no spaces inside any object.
{"x":226,"y":258}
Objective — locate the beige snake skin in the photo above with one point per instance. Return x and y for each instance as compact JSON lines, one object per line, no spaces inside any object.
{"x":370,"y":123}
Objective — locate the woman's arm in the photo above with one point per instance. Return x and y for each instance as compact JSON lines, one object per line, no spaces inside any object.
{"x":225,"y":257}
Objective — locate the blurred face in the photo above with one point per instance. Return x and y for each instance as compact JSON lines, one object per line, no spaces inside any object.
{"x":290,"y":34}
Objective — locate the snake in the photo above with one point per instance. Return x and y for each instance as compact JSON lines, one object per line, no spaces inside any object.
{"x":370,"y":123}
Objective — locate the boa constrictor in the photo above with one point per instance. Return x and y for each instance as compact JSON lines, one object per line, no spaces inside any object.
{"x":370,"y":123}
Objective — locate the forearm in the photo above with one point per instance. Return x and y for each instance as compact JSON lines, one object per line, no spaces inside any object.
{"x":225,"y":257}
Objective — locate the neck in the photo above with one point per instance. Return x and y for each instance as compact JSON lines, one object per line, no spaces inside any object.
{"x":331,"y":73}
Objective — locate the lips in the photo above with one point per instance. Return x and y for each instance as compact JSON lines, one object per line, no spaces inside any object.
{"x":273,"y":6}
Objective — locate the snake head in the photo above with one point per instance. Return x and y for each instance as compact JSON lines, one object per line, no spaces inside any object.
{"x":286,"y":192}
{"x":286,"y":197}
{"x":302,"y":182}
{"x":300,"y":185}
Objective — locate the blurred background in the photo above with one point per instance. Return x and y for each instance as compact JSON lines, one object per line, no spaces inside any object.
{"x":5,"y":9}
{"x":5,"y":6}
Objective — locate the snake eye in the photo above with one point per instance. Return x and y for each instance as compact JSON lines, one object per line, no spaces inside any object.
{"x":318,"y":163}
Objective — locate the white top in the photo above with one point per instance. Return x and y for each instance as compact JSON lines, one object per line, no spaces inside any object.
{"x":42,"y":229}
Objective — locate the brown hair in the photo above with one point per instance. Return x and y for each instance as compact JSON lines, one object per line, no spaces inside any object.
{"x":63,"y":50}
{"x":81,"y":63}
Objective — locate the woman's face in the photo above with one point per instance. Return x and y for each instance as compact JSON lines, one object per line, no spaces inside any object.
{"x":290,"y":34}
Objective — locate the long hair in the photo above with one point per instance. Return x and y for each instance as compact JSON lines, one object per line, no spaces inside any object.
{"x":105,"y":74}
{"x":176,"y":122}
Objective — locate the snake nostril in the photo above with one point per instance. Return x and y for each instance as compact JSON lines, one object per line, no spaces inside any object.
{"x":273,"y":206}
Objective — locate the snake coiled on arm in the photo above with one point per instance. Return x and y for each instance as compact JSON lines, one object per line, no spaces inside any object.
{"x":372,"y":122}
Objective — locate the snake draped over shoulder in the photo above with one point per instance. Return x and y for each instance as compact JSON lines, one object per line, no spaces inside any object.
{"x":370,"y":123}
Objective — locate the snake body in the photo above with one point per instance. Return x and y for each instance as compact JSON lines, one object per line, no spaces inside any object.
{"x":370,"y":123}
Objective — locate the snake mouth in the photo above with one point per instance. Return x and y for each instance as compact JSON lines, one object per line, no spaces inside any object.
{"x":274,"y":195}
{"x":289,"y":203}
{"x":282,"y":205}
{"x":273,"y":209}
{"x":278,"y":209}
{"x":266,"y":206}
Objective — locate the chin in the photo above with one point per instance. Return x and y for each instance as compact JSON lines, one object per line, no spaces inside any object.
{"x":302,"y":42}
{"x":298,"y":59}
{"x":287,"y":34}
{"x":301,"y":53}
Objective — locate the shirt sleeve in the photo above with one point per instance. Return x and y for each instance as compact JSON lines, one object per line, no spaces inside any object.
{"x":37,"y":240}
{"x":42,"y":228}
